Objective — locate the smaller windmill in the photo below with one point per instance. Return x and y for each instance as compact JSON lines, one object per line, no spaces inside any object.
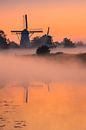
{"x":47,"y":38}
{"x":25,"y":34}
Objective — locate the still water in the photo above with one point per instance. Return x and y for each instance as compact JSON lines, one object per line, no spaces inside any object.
{"x":61,"y":106}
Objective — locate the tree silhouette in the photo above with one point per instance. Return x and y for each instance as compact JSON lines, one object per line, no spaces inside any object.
{"x":43,"y":50}
{"x":36,"y":41}
{"x":80,"y":44}
{"x":13,"y":44}
{"x":68,"y":43}
{"x":3,"y":40}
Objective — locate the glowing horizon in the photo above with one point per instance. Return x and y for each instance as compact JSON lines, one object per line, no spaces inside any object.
{"x":65,"y":18}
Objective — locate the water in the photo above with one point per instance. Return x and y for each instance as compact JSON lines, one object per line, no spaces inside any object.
{"x":64,"y":107}
{"x":56,"y":94}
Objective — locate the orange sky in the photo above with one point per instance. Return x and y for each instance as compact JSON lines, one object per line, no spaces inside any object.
{"x":65,"y":18}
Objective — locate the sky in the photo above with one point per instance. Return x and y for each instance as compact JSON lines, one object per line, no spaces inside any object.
{"x":66,"y":18}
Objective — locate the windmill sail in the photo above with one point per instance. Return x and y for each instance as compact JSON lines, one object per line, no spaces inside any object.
{"x":26,"y":22}
{"x":48,"y":30}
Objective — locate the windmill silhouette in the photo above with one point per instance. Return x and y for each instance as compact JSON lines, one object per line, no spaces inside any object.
{"x":25,"y":34}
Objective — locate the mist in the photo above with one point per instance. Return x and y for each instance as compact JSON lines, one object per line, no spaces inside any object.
{"x":16,"y":69}
{"x":42,"y":92}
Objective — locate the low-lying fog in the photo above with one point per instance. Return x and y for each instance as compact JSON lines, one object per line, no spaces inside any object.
{"x":25,"y":69}
{"x":54,"y":50}
{"x":60,"y":104}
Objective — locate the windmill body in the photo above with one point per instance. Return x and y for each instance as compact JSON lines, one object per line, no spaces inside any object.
{"x":25,"y":34}
{"x":25,"y":41}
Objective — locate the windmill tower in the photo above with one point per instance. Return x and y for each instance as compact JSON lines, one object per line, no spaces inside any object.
{"x":25,"y":34}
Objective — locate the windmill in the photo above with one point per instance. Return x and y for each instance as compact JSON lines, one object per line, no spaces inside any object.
{"x":25,"y":34}
{"x":47,"y":39}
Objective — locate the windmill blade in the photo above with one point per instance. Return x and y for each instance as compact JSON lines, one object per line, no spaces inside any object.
{"x":16,"y":31}
{"x":48,"y":30}
{"x":35,"y":31}
{"x":23,"y":21}
{"x":26,"y":22}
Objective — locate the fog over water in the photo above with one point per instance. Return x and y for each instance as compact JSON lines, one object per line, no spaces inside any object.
{"x":57,"y":92}
{"x":54,"y":50}
{"x":15,"y":67}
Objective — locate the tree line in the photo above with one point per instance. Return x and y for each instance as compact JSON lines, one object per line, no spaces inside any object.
{"x":37,"y":41}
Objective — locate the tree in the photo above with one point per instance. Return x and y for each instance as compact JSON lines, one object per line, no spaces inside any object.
{"x":68,"y":43}
{"x":3,"y":40}
{"x":13,"y":44}
{"x":36,"y":41}
{"x":80,"y":44}
{"x":43,"y":50}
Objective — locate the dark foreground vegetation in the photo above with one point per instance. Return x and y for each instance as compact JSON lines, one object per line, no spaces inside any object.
{"x":43,"y":50}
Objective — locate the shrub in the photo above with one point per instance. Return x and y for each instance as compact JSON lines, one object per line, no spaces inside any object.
{"x":43,"y":50}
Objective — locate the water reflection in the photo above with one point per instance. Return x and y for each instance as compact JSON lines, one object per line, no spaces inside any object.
{"x":62,"y":107}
